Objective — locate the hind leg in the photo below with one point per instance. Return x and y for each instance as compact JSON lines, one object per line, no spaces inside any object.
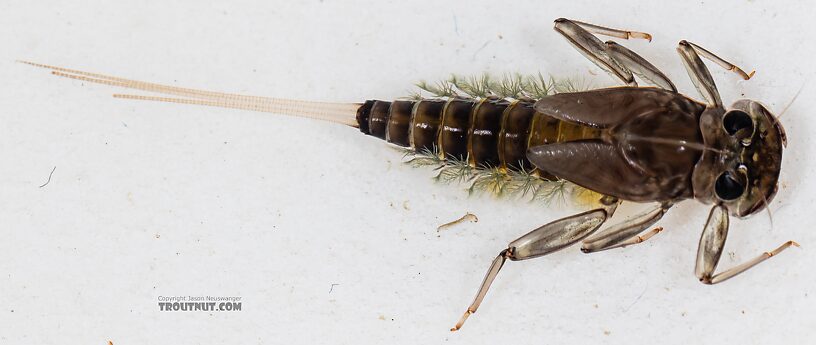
{"x":546,"y":239}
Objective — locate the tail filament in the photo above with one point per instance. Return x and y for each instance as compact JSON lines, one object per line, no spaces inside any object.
{"x":343,"y":113}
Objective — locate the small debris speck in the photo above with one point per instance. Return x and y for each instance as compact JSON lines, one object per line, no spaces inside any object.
{"x":49,"y":177}
{"x":468,"y":217}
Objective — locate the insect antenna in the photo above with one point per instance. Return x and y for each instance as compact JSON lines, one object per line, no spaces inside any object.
{"x":344,"y":113}
{"x":768,"y":208}
{"x":791,"y":102}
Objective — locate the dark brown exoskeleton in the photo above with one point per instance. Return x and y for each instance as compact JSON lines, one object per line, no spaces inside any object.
{"x":640,"y":144}
{"x":656,"y":145}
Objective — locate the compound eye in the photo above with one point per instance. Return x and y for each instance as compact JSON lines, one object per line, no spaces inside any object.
{"x":738,"y":121}
{"x":728,"y":187}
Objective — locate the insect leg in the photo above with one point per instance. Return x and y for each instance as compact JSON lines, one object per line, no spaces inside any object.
{"x":711,"y":246}
{"x":593,"y":49}
{"x":639,"y":66}
{"x":699,"y":74}
{"x":611,"y":57}
{"x":601,"y":30}
{"x":720,"y":61}
{"x":626,"y":233}
{"x":542,"y":241}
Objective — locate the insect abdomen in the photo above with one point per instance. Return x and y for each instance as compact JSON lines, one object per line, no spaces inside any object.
{"x":489,"y":133}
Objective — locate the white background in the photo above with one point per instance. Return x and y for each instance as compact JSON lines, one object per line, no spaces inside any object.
{"x":152,"y":200}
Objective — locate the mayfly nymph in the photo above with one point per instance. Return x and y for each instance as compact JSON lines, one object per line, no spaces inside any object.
{"x":524,"y":135}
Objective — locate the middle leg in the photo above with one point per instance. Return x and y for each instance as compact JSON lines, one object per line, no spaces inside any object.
{"x":610,"y":56}
{"x":627,"y":232}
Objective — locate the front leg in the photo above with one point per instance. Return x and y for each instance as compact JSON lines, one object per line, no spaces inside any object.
{"x":711,"y":247}
{"x":546,"y":239}
{"x":699,"y":74}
